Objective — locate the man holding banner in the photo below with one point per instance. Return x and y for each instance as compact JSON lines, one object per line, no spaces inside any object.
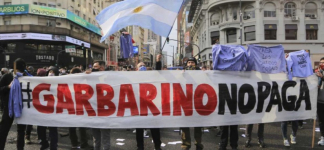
{"x":154,"y":131}
{"x":101,"y":137}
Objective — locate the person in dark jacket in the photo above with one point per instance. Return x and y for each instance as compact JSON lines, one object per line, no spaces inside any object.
{"x":6,"y":121}
{"x":53,"y":134}
{"x":186,"y":139}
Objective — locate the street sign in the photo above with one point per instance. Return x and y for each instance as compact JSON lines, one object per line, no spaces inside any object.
{"x":70,"y":49}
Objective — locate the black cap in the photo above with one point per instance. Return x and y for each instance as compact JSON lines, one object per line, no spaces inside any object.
{"x":192,"y":59}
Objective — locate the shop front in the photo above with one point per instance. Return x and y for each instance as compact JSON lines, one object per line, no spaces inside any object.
{"x":39,"y":50}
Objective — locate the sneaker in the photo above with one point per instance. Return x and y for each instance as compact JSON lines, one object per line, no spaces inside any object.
{"x":261,"y":144}
{"x":248,"y":144}
{"x":286,"y":143}
{"x":28,"y":141}
{"x":145,"y":132}
{"x":292,"y":139}
{"x":44,"y":146}
{"x":321,"y":142}
{"x":75,"y":147}
{"x":134,"y":131}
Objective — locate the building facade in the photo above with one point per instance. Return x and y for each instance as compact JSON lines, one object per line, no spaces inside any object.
{"x":296,"y":24}
{"x":39,"y":30}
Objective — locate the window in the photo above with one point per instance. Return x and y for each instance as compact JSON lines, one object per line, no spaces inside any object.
{"x":10,"y":48}
{"x":234,"y":14}
{"x":214,"y":19}
{"x":249,"y":33}
{"x":51,"y":5}
{"x":84,"y":16}
{"x":270,"y":32}
{"x":94,"y":1}
{"x":311,"y":10}
{"x":101,"y":5}
{"x":269,"y":10}
{"x":84,"y":3}
{"x":290,"y":9}
{"x":89,"y":7}
{"x":231,"y":35}
{"x":214,"y":36}
{"x":291,"y":31}
{"x":89,"y":20}
{"x":311,"y":31}
{"x":249,"y":13}
{"x":7,"y":3}
{"x":7,"y":22}
{"x":42,"y":4}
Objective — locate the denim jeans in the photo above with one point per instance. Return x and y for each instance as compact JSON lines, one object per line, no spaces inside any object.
{"x":101,"y":139}
{"x":294,"y":126}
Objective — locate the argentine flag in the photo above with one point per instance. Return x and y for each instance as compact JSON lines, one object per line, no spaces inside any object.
{"x":156,"y":15}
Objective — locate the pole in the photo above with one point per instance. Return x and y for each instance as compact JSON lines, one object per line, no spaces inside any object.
{"x":241,"y":24}
{"x":313,"y":139}
{"x":57,"y":59}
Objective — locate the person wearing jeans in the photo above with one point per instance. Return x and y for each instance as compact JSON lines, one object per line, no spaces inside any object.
{"x":53,"y":135}
{"x":248,"y":133}
{"x":320,"y":100}
{"x":224,"y":137}
{"x":294,"y":126}
{"x":186,"y":139}
{"x":140,"y":131}
{"x":101,"y":137}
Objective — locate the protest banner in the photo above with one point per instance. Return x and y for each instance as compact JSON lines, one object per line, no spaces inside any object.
{"x":162,"y":99}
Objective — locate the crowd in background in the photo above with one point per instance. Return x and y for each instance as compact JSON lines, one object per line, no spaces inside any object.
{"x":101,"y":137}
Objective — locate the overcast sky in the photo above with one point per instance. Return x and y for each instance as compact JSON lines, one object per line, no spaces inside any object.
{"x":168,"y":47}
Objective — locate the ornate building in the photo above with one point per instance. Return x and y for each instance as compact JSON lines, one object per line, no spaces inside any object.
{"x":296,"y":24}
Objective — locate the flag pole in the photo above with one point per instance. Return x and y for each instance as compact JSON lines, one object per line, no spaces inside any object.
{"x":172,"y":27}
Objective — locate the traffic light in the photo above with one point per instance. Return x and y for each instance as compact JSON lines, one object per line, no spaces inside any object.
{"x":167,"y":39}
{"x":82,"y":46}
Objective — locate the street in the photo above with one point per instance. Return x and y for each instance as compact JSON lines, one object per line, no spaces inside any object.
{"x":272,"y":137}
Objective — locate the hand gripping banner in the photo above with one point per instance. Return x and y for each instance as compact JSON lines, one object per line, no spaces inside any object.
{"x":162,"y":99}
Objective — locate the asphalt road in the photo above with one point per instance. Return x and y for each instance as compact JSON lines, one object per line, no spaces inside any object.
{"x":272,"y":137}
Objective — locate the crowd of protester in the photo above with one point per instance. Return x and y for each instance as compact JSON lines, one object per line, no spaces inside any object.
{"x":101,"y":137}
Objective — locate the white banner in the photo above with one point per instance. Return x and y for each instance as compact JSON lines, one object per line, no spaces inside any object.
{"x":166,"y":99}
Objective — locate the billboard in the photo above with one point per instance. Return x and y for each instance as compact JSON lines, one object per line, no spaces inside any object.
{"x":14,"y":9}
{"x":80,"y":21}
{"x":47,"y":11}
{"x":38,"y":36}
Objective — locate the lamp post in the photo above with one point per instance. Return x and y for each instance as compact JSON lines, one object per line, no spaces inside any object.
{"x":241,"y":24}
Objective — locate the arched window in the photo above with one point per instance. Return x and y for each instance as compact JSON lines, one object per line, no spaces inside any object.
{"x":249,"y":13}
{"x":290,"y":9}
{"x":311,"y":10}
{"x":215,"y":19}
{"x":269,"y":10}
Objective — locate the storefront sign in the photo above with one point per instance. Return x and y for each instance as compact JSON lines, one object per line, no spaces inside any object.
{"x":70,"y":49}
{"x":80,"y":21}
{"x":44,"y":58}
{"x":47,"y":11}
{"x":77,"y":42}
{"x":38,"y":36}
{"x":14,"y":9}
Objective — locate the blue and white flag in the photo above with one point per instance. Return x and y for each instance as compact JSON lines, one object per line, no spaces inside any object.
{"x":156,"y":15}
